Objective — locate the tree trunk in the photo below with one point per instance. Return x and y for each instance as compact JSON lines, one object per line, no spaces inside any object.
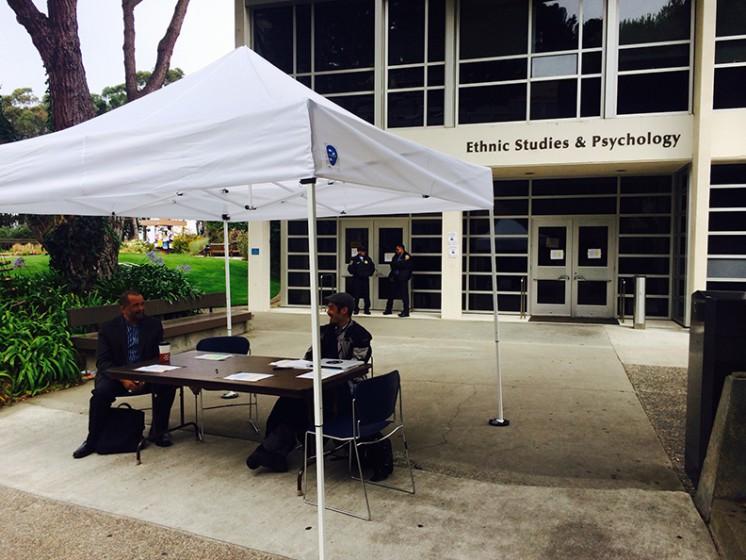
{"x":83,"y":249}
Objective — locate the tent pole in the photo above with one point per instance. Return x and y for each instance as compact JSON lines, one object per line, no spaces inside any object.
{"x":248,"y":260}
{"x":318,"y":409}
{"x":500,"y":420}
{"x":226,"y":259}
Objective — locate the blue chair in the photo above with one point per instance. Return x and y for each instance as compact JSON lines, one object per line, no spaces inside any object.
{"x":374,"y":411}
{"x":230,"y":345}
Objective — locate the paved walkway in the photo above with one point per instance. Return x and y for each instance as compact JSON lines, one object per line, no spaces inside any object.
{"x":579,"y":473}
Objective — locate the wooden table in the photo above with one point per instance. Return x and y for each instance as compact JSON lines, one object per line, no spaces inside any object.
{"x":208,"y":374}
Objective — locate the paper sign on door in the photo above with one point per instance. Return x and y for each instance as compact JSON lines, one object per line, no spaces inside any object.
{"x":594,"y":253}
{"x":556,"y":254}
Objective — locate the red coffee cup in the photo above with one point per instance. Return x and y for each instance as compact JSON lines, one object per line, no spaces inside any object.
{"x":164,"y":353}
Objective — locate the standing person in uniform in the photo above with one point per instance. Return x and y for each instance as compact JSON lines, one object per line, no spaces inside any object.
{"x":361,"y":268}
{"x":401,"y":272}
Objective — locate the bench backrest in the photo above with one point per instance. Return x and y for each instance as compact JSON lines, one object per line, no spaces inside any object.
{"x":96,"y":315}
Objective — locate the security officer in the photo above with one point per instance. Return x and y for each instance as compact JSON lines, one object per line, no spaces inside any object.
{"x":401,"y":272}
{"x":361,"y":268}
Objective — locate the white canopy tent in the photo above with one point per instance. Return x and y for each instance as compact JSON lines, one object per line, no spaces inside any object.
{"x":240,"y":141}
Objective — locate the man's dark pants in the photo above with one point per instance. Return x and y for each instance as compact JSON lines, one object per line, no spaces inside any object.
{"x":400,"y":290}
{"x":361,"y":289}
{"x":106,"y":390}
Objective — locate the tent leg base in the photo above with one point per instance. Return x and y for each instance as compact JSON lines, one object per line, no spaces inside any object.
{"x":499,"y":422}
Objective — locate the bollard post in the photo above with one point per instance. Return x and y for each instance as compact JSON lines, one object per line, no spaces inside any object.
{"x":638,"y":317}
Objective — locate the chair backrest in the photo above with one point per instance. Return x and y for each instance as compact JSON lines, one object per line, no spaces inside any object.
{"x":229,"y":344}
{"x":375,"y":398}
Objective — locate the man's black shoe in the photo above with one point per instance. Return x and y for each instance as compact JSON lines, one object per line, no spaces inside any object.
{"x":163,"y":440}
{"x":367,"y":311}
{"x":356,"y":312}
{"x":263,"y":458}
{"x":404,"y":314}
{"x":387,"y":312}
{"x":84,"y":450}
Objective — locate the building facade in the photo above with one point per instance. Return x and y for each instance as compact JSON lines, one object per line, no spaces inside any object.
{"x":614,"y":130}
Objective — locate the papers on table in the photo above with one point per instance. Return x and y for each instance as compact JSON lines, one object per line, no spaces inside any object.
{"x":156,"y":368}
{"x":246,"y":376}
{"x":326,"y":363}
{"x":213,"y":357}
{"x":325,"y":373}
{"x":340,"y":364}
{"x":292,"y":364}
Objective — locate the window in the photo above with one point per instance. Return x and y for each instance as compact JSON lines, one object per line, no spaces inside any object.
{"x":654,"y":55}
{"x":533,"y":60}
{"x":730,"y":55}
{"x":726,"y":242}
{"x":327,"y":46}
{"x":416,"y":63}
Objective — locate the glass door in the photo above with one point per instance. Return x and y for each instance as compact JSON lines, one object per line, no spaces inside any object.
{"x":551,"y":266}
{"x":380,"y":237}
{"x":594,"y":256}
{"x":386,"y":234}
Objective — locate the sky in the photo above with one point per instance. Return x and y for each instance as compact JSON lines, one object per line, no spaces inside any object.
{"x":207,"y":34}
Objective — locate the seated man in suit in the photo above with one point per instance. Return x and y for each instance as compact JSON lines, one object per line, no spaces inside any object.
{"x":129,"y":338}
{"x":342,"y":338}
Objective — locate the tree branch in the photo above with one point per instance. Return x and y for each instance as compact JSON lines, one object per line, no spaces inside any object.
{"x":130,"y":65}
{"x":36,"y":24}
{"x":166,"y":48}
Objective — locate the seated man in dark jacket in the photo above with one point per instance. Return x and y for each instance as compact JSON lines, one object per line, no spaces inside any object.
{"x":342,"y":338}
{"x":131,"y":337}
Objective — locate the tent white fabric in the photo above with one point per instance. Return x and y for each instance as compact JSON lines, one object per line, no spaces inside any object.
{"x":233,"y":138}
{"x":240,"y":141}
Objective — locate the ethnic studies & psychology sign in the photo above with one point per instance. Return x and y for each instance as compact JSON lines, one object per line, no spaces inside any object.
{"x":582,"y":142}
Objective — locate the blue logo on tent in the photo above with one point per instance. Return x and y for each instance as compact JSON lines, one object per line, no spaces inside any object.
{"x":331,"y":153}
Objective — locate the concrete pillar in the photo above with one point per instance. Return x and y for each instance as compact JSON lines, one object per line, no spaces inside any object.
{"x":259,"y":266}
{"x":450,"y":306}
{"x":699,"y":180}
{"x":241,"y":24}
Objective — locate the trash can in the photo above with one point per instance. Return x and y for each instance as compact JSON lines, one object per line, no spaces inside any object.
{"x":717,"y":348}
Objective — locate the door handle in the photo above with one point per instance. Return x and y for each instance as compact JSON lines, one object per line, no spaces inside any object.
{"x":563,"y":277}
{"x":579,"y":277}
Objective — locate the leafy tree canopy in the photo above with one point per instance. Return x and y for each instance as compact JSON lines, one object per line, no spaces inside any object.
{"x":112,"y":97}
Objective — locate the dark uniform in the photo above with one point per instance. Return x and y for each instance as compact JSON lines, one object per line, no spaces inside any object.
{"x":361,"y":268}
{"x":290,"y":418}
{"x":401,"y":272}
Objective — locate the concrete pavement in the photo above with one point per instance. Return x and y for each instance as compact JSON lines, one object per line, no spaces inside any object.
{"x":579,"y":473}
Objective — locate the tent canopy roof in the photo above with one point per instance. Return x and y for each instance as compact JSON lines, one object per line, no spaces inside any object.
{"x":233,"y":139}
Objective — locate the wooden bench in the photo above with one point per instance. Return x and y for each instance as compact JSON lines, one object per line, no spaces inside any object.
{"x":217,"y":250}
{"x":175,"y":330}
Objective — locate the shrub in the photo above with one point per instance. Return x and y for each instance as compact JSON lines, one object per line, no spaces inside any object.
{"x":37,"y":351}
{"x":180,"y":243}
{"x":26,"y":249}
{"x":153,"y":281}
{"x":136,"y":246}
{"x":15,"y":232}
{"x":242,"y":240}
{"x":197,"y":246}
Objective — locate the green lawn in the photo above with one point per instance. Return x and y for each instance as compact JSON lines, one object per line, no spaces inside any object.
{"x":207,"y":273}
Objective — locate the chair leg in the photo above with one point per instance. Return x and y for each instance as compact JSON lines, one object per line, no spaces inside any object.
{"x":362,"y":480}
{"x":318,"y":457}
{"x":406,"y":457}
{"x":254,"y":412}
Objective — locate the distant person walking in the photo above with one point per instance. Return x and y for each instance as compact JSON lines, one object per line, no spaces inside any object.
{"x":401,"y":272}
{"x":361,"y":267}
